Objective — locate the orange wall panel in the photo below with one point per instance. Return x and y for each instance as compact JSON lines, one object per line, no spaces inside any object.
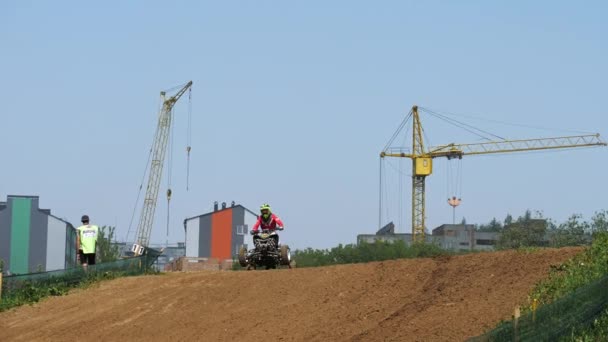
{"x":221,"y":234}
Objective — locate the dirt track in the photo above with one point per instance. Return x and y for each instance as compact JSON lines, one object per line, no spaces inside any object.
{"x":443,"y":299}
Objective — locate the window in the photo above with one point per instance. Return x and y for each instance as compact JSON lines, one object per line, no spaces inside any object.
{"x":464,"y":243}
{"x":485,"y":242}
{"x":240,"y":230}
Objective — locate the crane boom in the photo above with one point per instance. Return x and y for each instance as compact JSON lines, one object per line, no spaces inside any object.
{"x":490,"y":147}
{"x":422,"y":160}
{"x":159,"y":149}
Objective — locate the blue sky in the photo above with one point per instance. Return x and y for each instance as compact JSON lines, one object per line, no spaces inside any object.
{"x":292,"y":103}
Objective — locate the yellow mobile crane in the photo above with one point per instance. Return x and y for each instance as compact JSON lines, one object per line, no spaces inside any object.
{"x":422,"y":159}
{"x":158,"y":151}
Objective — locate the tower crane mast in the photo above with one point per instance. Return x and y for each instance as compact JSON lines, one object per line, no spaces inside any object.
{"x":159,"y":149}
{"x":422,"y":160}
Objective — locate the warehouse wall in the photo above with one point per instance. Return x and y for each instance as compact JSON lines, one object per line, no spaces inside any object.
{"x":218,"y":234}
{"x":56,"y":244}
{"x":238,"y":228}
{"x":38,"y":239}
{"x":204,"y":239}
{"x":192,"y":237}
{"x":221,"y":234}
{"x":31,"y":239}
{"x":5,"y":236}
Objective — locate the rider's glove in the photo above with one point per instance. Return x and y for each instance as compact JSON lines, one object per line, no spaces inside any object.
{"x":253,"y":232}
{"x":280,"y":228}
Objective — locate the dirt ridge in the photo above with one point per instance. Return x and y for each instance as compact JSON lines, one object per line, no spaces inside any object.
{"x":441,"y":299}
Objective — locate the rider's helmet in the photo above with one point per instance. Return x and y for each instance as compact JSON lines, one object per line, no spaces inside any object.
{"x":265,"y":211}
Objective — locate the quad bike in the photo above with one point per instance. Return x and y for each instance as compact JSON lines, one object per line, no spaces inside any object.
{"x":266,"y":252}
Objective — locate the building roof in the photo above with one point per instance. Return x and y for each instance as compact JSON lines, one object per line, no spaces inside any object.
{"x":4,"y":205}
{"x":218,"y":211}
{"x":440,"y":229}
{"x":387,"y":230}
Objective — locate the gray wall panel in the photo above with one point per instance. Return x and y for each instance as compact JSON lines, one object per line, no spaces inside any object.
{"x":204,"y":242}
{"x":5,"y":235}
{"x":192,"y":239}
{"x":56,"y":244}
{"x":38,"y":236}
{"x":250,"y":220}
{"x":238,"y":219}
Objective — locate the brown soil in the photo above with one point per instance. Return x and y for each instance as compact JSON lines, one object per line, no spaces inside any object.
{"x":442,"y":299}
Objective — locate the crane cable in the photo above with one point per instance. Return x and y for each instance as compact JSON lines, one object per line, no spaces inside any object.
{"x":380,"y":196}
{"x":189,"y":139}
{"x":143,"y":179}
{"x":401,"y":125}
{"x":170,"y":173}
{"x":141,"y":185}
{"x":462,"y":125}
{"x":514,"y":124}
{"x":384,"y":203}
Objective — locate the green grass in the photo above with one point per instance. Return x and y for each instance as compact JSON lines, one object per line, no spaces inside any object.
{"x":30,"y":291}
{"x":568,"y":299}
{"x":598,"y":331}
{"x":584,"y":268}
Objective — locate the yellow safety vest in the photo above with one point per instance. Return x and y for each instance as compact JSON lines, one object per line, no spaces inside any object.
{"x":88,"y":238}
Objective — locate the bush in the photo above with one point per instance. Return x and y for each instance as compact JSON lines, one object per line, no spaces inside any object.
{"x":572,"y":300}
{"x":365,"y":252}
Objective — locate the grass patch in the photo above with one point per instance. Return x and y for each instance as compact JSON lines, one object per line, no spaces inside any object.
{"x":366,"y":252}
{"x":30,"y":291}
{"x":571,"y":303}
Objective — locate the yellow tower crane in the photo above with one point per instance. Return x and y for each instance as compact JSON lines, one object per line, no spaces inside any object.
{"x":422,"y":159}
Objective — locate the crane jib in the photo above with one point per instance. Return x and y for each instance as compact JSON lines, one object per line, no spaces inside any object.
{"x":423,"y":158}
{"x":159,"y":150}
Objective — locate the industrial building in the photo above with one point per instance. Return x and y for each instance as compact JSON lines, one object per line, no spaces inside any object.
{"x":220,"y":233}
{"x":447,"y":236}
{"x":387,"y":234}
{"x":464,"y":237}
{"x":32,"y":239}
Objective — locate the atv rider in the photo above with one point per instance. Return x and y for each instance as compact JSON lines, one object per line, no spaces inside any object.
{"x":267,"y":220}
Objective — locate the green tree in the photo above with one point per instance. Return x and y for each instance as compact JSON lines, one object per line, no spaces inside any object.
{"x":493,"y":226}
{"x":573,"y":232}
{"x":599,"y":222}
{"x":106,"y":251}
{"x":524,"y":232}
{"x":508,"y":220}
{"x":526,"y":218}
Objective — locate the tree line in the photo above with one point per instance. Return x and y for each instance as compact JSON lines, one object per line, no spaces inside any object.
{"x":530,"y":230}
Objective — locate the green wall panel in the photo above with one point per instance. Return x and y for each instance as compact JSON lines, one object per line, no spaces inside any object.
{"x":20,"y":235}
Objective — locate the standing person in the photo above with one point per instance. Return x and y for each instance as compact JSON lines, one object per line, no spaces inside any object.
{"x":86,"y":241}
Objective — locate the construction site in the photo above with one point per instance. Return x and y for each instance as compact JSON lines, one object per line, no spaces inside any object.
{"x":358,"y":243}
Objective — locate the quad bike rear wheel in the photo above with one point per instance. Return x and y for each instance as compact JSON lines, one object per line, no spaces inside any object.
{"x":243,"y":257}
{"x":285,"y":255}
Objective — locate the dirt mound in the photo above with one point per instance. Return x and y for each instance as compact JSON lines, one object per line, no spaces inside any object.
{"x":448,"y":298}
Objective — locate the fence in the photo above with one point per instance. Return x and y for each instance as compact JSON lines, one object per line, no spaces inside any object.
{"x":11,"y":285}
{"x":554,"y":320}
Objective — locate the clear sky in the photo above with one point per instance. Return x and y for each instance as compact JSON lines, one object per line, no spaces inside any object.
{"x":292,"y":103}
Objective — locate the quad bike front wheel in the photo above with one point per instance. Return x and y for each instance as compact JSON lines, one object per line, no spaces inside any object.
{"x":243,"y":257}
{"x":285,"y":255}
